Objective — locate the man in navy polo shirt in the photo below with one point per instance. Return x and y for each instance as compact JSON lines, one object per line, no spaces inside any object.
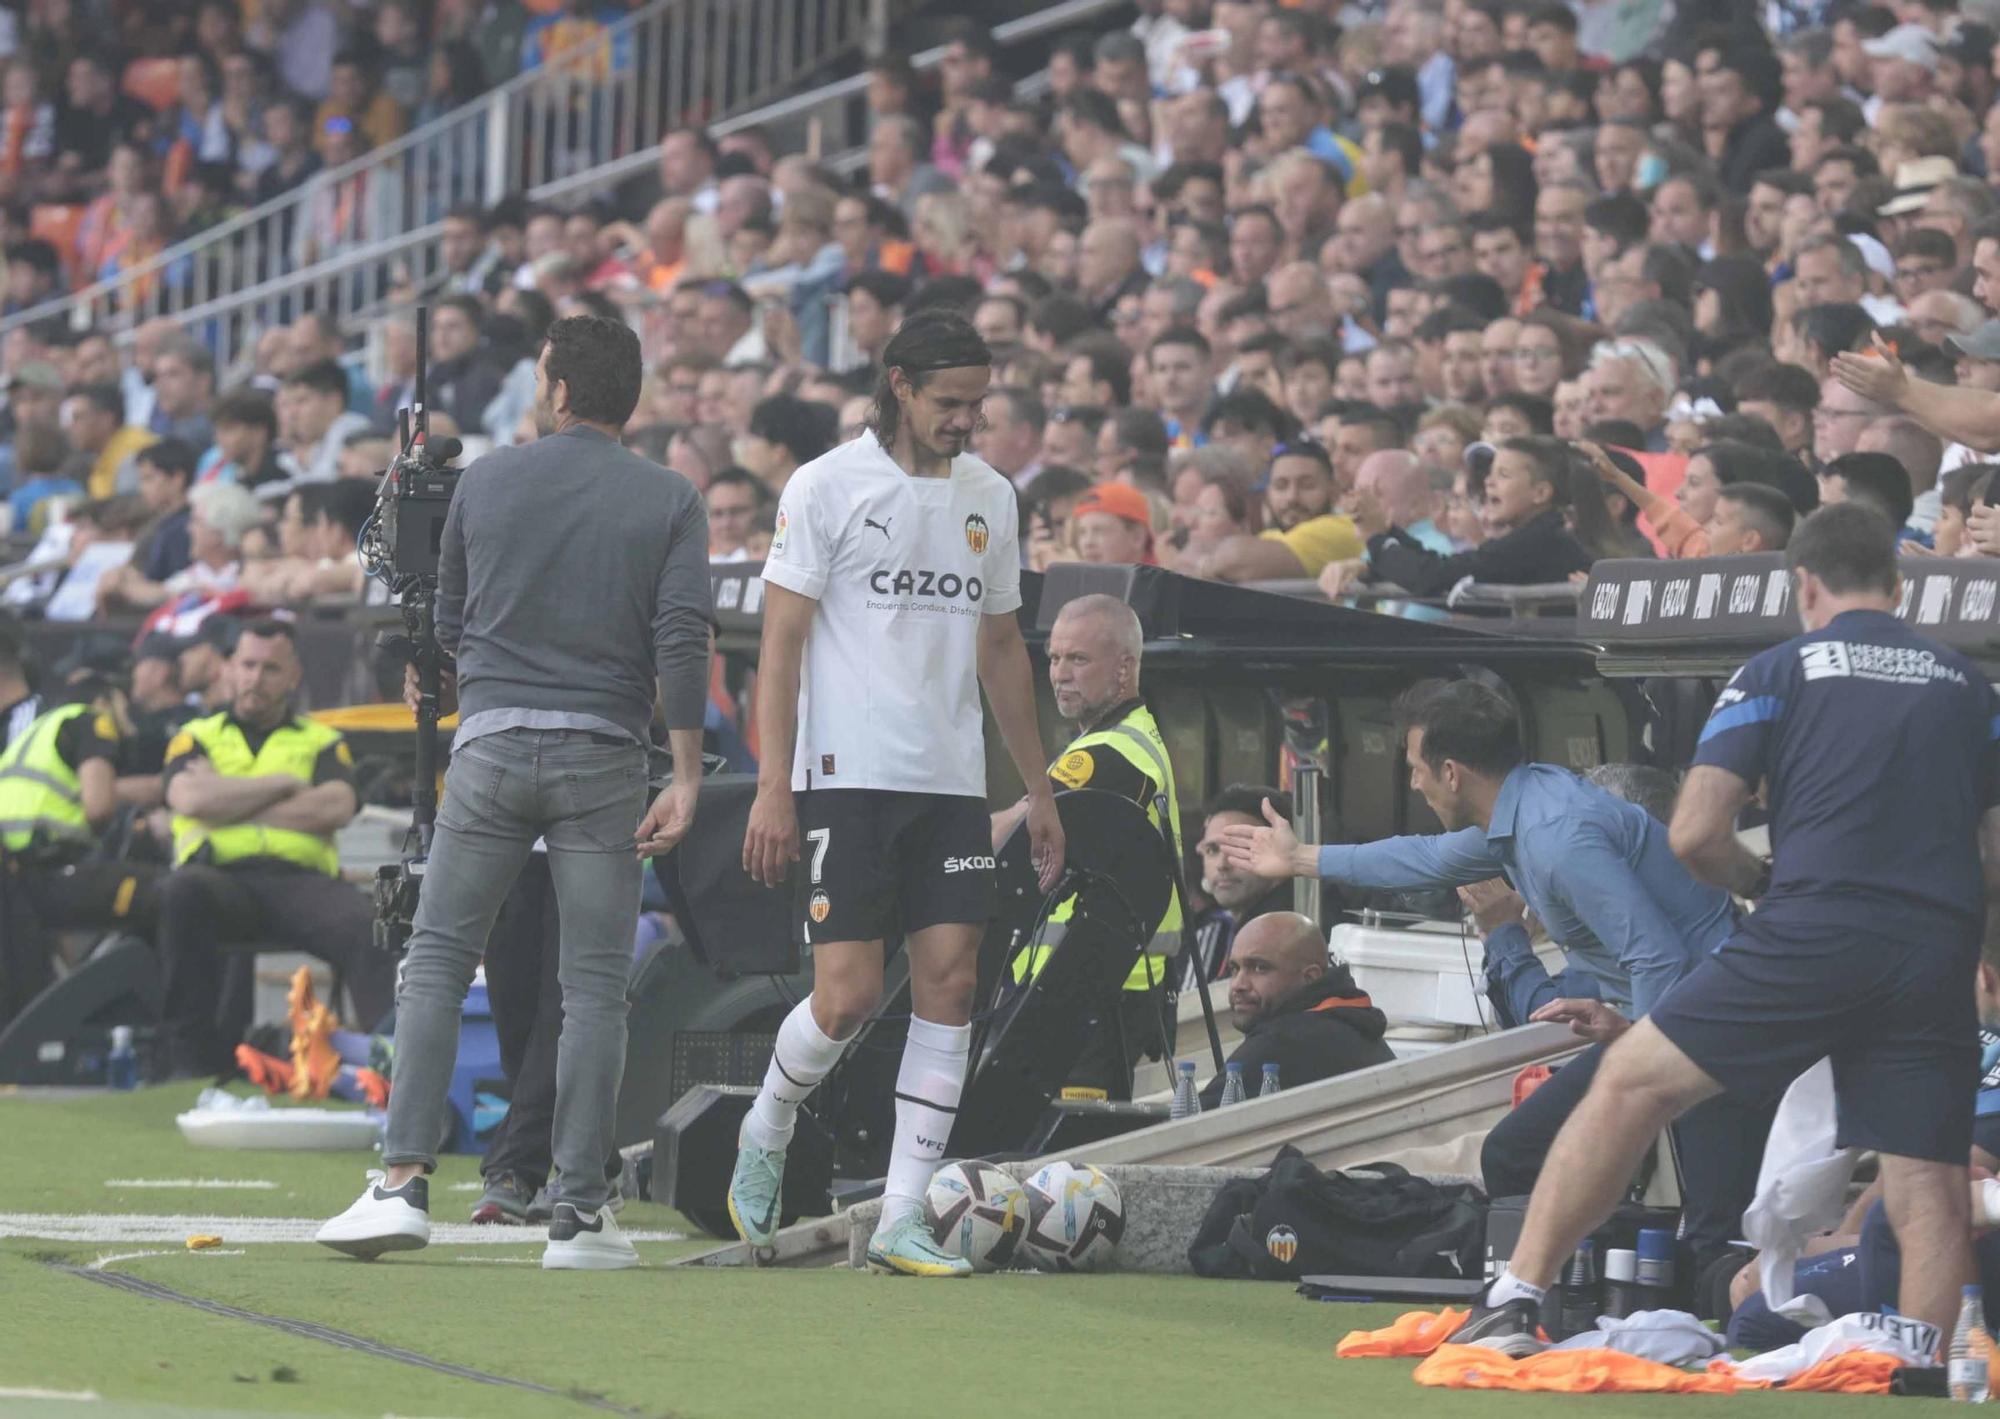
{"x":1876,"y":750}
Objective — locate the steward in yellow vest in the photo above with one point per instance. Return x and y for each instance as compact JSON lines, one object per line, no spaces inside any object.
{"x":1094,"y":651}
{"x":58,"y":788}
{"x":257,"y":794}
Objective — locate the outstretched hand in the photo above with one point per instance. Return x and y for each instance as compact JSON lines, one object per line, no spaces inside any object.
{"x":1876,"y":373}
{"x":1270,"y":851}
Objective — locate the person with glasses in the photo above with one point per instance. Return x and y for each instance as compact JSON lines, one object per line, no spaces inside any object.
{"x":1926,"y":260}
{"x":734,"y":499}
{"x":1842,"y":414}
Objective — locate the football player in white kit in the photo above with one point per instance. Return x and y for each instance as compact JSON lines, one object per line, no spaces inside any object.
{"x":891,"y":590}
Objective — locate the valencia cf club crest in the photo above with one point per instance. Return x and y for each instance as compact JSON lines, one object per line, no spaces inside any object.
{"x":975,"y":534}
{"x":1282,"y":1243}
{"x":818,"y":905}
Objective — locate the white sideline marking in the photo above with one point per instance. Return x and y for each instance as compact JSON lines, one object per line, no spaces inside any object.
{"x":105,"y":1227}
{"x":10,"y":1392}
{"x":250,"y":1184}
{"x":117,"y":1256}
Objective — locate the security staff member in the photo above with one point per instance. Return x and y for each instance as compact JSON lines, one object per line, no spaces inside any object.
{"x":58,"y":789}
{"x":1094,"y":649}
{"x":257,"y":794}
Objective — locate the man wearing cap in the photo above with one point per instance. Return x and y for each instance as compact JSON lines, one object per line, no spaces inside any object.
{"x":1904,"y":68}
{"x":1114,"y":526}
{"x":1978,"y":367}
{"x":1304,"y":532}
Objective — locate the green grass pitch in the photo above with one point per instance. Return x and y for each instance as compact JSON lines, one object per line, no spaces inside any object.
{"x":657,"y":1341}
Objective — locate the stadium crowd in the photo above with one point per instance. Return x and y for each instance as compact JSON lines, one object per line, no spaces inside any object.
{"x":1260,"y":281}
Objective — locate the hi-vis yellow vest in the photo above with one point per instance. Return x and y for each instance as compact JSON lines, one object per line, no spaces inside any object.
{"x":291,"y":749}
{"x":1135,"y":739}
{"x":40,"y":795}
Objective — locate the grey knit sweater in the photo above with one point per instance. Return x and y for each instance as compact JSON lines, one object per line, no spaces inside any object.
{"x":571,"y":571}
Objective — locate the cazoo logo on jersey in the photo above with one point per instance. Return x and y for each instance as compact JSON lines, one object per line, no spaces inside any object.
{"x":921,"y":584}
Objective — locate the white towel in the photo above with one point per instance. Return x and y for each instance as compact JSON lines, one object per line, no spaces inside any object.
{"x":1801,"y":1190}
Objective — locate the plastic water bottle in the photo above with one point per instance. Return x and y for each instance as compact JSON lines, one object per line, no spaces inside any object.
{"x":1187,"y":1099}
{"x":1232,"y":1083}
{"x":1270,"y":1085}
{"x":1971,"y":1351}
{"x":121,"y":1070}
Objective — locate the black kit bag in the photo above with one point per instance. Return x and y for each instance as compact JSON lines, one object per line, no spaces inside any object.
{"x":1375,"y":1221}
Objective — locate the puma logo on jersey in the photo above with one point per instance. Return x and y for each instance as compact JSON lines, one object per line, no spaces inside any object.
{"x":968,"y":864}
{"x":881,"y":527}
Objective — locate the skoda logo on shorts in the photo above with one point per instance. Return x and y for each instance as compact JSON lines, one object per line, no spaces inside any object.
{"x":819,"y":904}
{"x":975,"y":534}
{"x":1282,"y":1243}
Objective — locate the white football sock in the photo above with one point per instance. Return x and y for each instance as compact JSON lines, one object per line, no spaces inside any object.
{"x":927,"y":1089}
{"x":802,"y":1057}
{"x":1509,"y":1287}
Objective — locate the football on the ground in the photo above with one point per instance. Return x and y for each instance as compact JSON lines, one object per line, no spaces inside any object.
{"x":974,"y":1210}
{"x":1075,"y":1219}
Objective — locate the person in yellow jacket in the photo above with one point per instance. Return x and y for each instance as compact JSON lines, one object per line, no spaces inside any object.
{"x":1093,"y":651}
{"x":58,"y":789}
{"x":257,"y":793}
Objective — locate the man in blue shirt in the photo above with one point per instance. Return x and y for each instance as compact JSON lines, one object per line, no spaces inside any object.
{"x":1599,"y":874}
{"x":1876,"y":751}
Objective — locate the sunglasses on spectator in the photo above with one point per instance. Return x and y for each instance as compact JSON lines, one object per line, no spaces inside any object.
{"x":1074,"y":414}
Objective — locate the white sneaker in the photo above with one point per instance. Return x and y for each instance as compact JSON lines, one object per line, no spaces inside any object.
{"x":382,"y":1219}
{"x":586,"y":1241}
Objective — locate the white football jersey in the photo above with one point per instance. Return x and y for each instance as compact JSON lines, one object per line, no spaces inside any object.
{"x":902,"y":568}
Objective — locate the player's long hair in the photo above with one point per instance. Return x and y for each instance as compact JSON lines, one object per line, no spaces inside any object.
{"x":925,"y":343}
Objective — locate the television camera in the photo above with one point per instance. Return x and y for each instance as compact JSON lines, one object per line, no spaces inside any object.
{"x":399,"y":546}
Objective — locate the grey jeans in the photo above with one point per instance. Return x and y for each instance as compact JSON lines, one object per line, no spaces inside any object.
{"x":585,"y":794}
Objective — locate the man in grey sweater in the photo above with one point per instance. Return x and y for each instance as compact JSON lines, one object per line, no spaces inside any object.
{"x":572,"y":573}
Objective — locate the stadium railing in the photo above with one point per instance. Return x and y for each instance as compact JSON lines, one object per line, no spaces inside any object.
{"x":610,"y":97}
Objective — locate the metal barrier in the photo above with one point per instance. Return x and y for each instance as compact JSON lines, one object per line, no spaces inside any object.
{"x":580,"y":111}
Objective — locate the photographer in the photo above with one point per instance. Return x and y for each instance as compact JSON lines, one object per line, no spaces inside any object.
{"x":571,"y":571}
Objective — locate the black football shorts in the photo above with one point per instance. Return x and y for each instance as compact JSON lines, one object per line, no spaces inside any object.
{"x":873,"y":862}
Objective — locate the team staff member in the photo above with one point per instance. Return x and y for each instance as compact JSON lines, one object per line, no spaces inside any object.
{"x":58,"y":789}
{"x":893,"y":580}
{"x":572,"y":592}
{"x":1294,"y":1009}
{"x":1094,"y":650}
{"x":1240,"y":895}
{"x":1876,"y":748}
{"x":1598,"y":873}
{"x":257,"y":793}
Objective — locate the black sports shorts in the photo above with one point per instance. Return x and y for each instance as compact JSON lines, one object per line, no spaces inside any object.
{"x":1898,"y":1020}
{"x":873,"y":862}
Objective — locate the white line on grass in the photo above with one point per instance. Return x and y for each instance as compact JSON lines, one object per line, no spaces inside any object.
{"x":112,"y":1257}
{"x":103,"y":1227}
{"x":10,"y":1392}
{"x":206,"y":1184}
